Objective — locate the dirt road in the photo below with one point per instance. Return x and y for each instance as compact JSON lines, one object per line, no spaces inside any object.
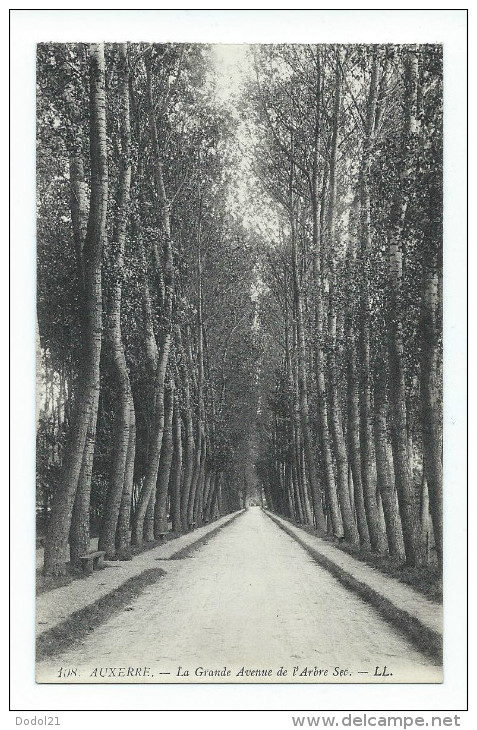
{"x":242,"y":606}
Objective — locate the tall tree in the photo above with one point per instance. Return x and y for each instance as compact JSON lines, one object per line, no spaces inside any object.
{"x":123,"y":441}
{"x":164,"y":226}
{"x":368,"y":463}
{"x":63,"y":499}
{"x":335,"y":418}
{"x":413,"y":543}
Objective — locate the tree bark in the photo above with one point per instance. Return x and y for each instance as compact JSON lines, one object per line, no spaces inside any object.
{"x":176,"y":467}
{"x":165,"y":228}
{"x":79,"y":537}
{"x":334,"y":415}
{"x":368,"y":462}
{"x":201,"y":446}
{"x":431,"y":406}
{"x":293,"y":435}
{"x":188,"y":456}
{"x":123,"y":530}
{"x":154,"y":454}
{"x":413,"y":543}
{"x":385,"y":481}
{"x":303,"y":387}
{"x":208,"y":516}
{"x":121,"y":440}
{"x":161,"y":527}
{"x":354,"y":449}
{"x":63,"y":500}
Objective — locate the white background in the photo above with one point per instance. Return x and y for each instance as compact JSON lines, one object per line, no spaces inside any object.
{"x":228,"y":26}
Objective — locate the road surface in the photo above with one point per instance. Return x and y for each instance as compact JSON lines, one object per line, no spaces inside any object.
{"x":242,"y":606}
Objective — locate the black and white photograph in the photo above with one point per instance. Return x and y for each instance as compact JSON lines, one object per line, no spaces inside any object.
{"x":239,"y":458}
{"x":241,"y":293}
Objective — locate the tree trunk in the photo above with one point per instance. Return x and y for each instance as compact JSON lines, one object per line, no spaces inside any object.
{"x":199,"y":494}
{"x":303,"y":388}
{"x":123,"y":530}
{"x":354,"y":448}
{"x":351,"y":532}
{"x":176,"y":467}
{"x":385,"y":481}
{"x":188,"y":456}
{"x":121,"y":440}
{"x":201,"y":446}
{"x":293,"y":435}
{"x":152,"y":467}
{"x":324,"y":437}
{"x":188,"y":470}
{"x":206,"y":495}
{"x":334,"y":414}
{"x":413,"y":544}
{"x":161,"y":527}
{"x":196,"y":476}
{"x":148,"y":530}
{"x":368,"y":463}
{"x":322,"y":396}
{"x":210,"y":496}
{"x":430,"y":405}
{"x":80,"y":522}
{"x":63,"y":499}
{"x":165,"y":227}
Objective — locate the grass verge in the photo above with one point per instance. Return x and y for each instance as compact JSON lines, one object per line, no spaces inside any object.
{"x":46,"y":583}
{"x":80,"y":623}
{"x":427,"y":641}
{"x":426,"y":580}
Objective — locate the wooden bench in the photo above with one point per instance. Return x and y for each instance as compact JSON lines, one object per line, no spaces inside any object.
{"x":92,"y":561}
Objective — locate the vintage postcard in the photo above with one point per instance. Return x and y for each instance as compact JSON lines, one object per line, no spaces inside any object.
{"x":239,"y":362}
